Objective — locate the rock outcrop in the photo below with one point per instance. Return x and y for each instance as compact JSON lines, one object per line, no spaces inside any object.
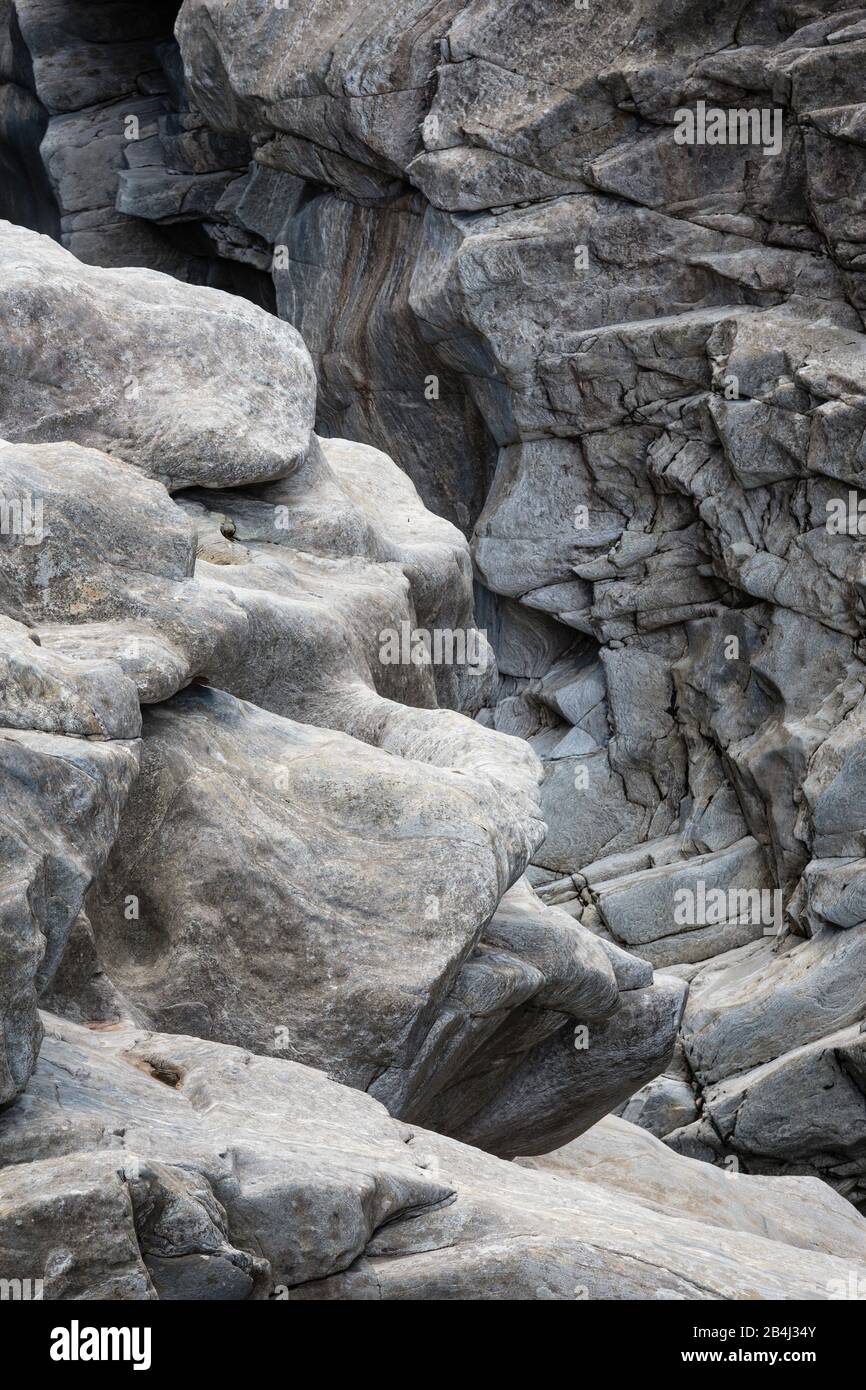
{"x":507,"y":838}
{"x":357,"y":901}
{"x":490,"y":209}
{"x":151,"y":1166}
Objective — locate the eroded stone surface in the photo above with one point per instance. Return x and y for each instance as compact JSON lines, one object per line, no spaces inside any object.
{"x":358,"y":842}
{"x":192,"y":1161}
{"x":497,"y":253}
{"x":192,"y":386}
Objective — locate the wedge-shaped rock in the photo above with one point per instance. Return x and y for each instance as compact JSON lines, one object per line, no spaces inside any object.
{"x":297,"y":891}
{"x":533,"y":968}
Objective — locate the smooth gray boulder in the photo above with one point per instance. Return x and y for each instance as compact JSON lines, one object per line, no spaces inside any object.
{"x":190,"y":385}
{"x":325,"y":952}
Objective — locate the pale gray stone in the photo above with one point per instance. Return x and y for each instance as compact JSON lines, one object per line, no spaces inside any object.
{"x":634,"y":372}
{"x":163,"y":1144}
{"x":190,"y":385}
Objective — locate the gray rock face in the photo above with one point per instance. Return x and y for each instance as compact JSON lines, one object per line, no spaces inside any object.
{"x":62,"y":799}
{"x":357,"y":901}
{"x":630,"y":366}
{"x":665,"y":343}
{"x":198,"y":1170}
{"x":114,"y":334}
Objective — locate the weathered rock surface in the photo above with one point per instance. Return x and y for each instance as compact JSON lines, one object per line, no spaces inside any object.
{"x":201,"y":1171}
{"x":665,"y":343}
{"x":139,"y":367}
{"x":294,"y":935}
{"x":635,"y":370}
{"x":62,"y":799}
{"x":624,"y":1158}
{"x":318,"y":857}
